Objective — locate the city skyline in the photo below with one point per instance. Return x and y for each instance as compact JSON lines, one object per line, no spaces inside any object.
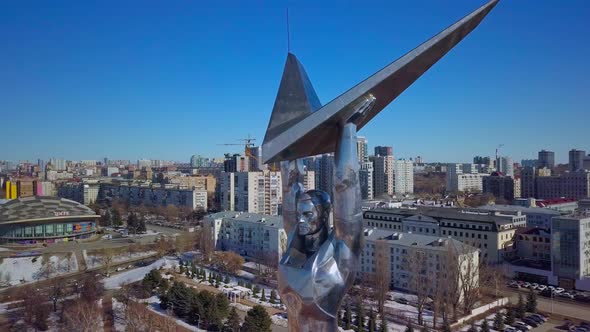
{"x":157,"y":91}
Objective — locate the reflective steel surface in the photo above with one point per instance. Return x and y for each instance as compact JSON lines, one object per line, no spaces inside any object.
{"x":320,"y":263}
{"x":299,"y":127}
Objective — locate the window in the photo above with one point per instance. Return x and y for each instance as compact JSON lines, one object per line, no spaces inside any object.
{"x":444,"y":232}
{"x":479,"y":236}
{"x":485,"y":236}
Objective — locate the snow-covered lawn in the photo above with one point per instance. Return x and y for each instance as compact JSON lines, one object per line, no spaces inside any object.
{"x":129,"y":276}
{"x":18,"y":269}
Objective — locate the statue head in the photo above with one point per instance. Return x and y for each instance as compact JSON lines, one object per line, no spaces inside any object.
{"x":313,"y":213}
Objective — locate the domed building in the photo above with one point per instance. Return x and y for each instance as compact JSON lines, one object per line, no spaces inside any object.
{"x":42,"y":219}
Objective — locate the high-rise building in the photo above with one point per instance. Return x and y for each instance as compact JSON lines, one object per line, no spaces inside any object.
{"x":479,"y":160}
{"x":41,"y":164}
{"x":197,"y":161}
{"x":255,"y":192}
{"x":325,"y":173}
{"x":576,"y":160}
{"x":506,"y":166}
{"x":500,"y":186}
{"x":546,"y":159}
{"x":366,"y":180}
{"x":527,"y":182}
{"x":255,"y":156}
{"x":362,"y":149}
{"x":403,"y":171}
{"x":464,"y":178}
{"x":236,"y":163}
{"x":571,"y":240}
{"x":144,"y":163}
{"x":383,"y":178}
{"x":529,"y":163}
{"x":383,"y":151}
{"x":57,"y":164}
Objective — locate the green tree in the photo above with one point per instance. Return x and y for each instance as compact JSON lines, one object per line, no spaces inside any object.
{"x":472,"y":328}
{"x":347,"y":317}
{"x":383,"y":326}
{"x":132,"y":223}
{"x":179,"y":299}
{"x":499,"y":321}
{"x":531,"y":301}
{"x":409,"y":327}
{"x":520,"y":307}
{"x":226,"y":280}
{"x":273,"y":296}
{"x":232,"y":324}
{"x":372,"y":321}
{"x":106,"y":219}
{"x":116,"y":218}
{"x":141,"y":228}
{"x":485,"y":327}
{"x":221,"y":305}
{"x":263,"y":296}
{"x":257,"y":320}
{"x":360,"y":315}
{"x":510,"y":315}
{"x":446,"y":326}
{"x":151,"y":281}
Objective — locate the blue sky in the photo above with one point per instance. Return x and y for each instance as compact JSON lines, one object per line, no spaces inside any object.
{"x":164,"y":80}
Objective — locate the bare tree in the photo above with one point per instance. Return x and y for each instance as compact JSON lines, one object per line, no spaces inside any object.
{"x":138,"y":318}
{"x":491,"y":278}
{"x":47,"y":269}
{"x":56,"y":291}
{"x":416,"y":264}
{"x":185,"y":242}
{"x":382,"y":277}
{"x":468,"y":276}
{"x":107,"y":258}
{"x":228,"y":261}
{"x":205,"y":242}
{"x":451,"y":282}
{"x":82,"y":316}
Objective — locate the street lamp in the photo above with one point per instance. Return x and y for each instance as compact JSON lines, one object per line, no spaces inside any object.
{"x":198,"y":320}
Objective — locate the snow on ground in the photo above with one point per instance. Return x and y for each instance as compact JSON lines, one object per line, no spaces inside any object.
{"x":94,"y":261}
{"x":119,"y":315}
{"x":24,"y":269}
{"x":129,"y":276}
{"x":154,"y":305}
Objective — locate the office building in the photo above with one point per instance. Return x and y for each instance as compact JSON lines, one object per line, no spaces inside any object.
{"x":536,"y":217}
{"x":529,"y":163}
{"x":256,"y":236}
{"x":489,"y":231}
{"x":403,"y":171}
{"x":324,"y":173}
{"x":571,"y":256}
{"x":402,"y":255}
{"x":546,"y":159}
{"x":502,"y":187}
{"x":576,"y":160}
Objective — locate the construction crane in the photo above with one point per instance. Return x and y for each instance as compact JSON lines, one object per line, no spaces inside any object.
{"x":248,"y":144}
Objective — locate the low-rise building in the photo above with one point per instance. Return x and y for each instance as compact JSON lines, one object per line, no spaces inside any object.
{"x":571,"y":250}
{"x":489,"y":231}
{"x":536,"y":217}
{"x":401,"y":256}
{"x":154,"y":195}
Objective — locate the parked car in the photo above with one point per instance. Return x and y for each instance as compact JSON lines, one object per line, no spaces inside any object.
{"x":581,"y":329}
{"x":541,"y":317}
{"x":534,"y":285}
{"x":566,"y":295}
{"x":514,"y":285}
{"x":536,"y":319}
{"x":542,"y":287}
{"x":547,"y":293}
{"x":521,"y":328}
{"x":526,"y":284}
{"x":565,"y":326}
{"x":528,"y":327}
{"x":402,"y":300}
{"x":559,"y":290}
{"x":531,"y":322}
{"x":510,"y":329}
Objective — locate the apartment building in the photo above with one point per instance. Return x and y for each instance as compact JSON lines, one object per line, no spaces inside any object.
{"x":254,"y":192}
{"x":154,"y":195}
{"x":490,"y":232}
{"x":249,"y":234}
{"x":399,"y":253}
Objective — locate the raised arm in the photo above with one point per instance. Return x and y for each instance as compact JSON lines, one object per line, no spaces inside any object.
{"x":292,"y":181}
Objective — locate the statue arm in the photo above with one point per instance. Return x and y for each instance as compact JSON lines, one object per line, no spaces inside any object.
{"x":292,"y":179}
{"x":348,"y":223}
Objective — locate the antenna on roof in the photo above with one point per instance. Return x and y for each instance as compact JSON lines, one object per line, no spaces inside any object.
{"x":288,"y":33}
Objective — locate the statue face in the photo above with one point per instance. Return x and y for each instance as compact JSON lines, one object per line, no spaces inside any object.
{"x":310,"y":221}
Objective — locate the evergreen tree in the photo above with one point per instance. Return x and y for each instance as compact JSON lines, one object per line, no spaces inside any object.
{"x":141,"y":228}
{"x":232,"y":324}
{"x":188,"y":272}
{"x":132,"y":223}
{"x":372,"y":321}
{"x":273,"y":296}
{"x":360,"y":316}
{"x":485,"y":327}
{"x":221,"y":305}
{"x":263,"y":296}
{"x":383,"y":326}
{"x":107,"y":218}
{"x":226,"y":280}
{"x":347,"y":317}
{"x":446,"y":327}
{"x":499,"y":321}
{"x":409,"y":327}
{"x":520,"y":307}
{"x":116,"y":218}
{"x":257,"y":320}
{"x":510,"y":315}
{"x":531,"y":302}
{"x":151,"y":281}
{"x":210,"y":278}
{"x":179,"y":299}
{"x":472,"y":328}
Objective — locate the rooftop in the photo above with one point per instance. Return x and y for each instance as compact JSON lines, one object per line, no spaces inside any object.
{"x":518,"y":208}
{"x":42,"y":207}
{"x":416,"y":240}
{"x":273,"y":221}
{"x":470,"y":214}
